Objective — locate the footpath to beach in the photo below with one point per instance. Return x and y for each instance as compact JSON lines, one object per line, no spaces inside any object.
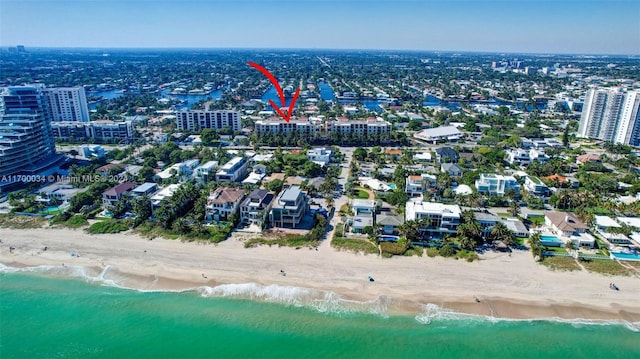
{"x":507,"y":286}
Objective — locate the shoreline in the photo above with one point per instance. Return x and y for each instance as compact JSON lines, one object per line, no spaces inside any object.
{"x":508,"y":287}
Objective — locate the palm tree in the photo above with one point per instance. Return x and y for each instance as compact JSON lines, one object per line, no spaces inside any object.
{"x":534,"y":243}
{"x":500,"y":232}
{"x":514,"y":209}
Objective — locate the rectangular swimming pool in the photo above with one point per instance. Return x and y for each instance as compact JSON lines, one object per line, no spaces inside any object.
{"x":626,"y":256}
{"x":551,"y":241}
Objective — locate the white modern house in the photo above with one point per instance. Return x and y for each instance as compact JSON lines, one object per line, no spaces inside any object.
{"x":321,"y":156}
{"x":234,"y":170}
{"x":290,"y":208}
{"x":443,"y":218}
{"x":255,"y":208}
{"x":496,"y":185}
{"x":204,"y":172}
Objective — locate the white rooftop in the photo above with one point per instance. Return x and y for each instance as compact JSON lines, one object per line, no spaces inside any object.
{"x":431,"y":207}
{"x":604,"y":221}
{"x":630,"y":221}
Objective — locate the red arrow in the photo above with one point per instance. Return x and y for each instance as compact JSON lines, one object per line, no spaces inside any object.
{"x":285,"y":116}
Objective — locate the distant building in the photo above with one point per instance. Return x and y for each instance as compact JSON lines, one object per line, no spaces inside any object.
{"x":193,"y":120}
{"x":374,"y":128}
{"x":321,"y":156}
{"x":290,"y":208}
{"x":444,"y":133}
{"x":204,"y":173}
{"x":446,"y":154}
{"x":496,"y":185}
{"x":234,"y":170}
{"x":67,"y":104}
{"x":611,"y":115}
{"x":452,"y":169}
{"x":91,"y":151}
{"x":302,"y":128}
{"x":102,"y":131}
{"x":416,"y":185}
{"x":534,"y":185}
{"x":223,"y":202}
{"x":519,"y":157}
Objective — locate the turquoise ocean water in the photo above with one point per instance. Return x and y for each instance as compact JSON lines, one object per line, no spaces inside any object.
{"x":46,"y":317}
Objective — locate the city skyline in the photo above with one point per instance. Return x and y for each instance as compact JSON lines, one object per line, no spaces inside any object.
{"x":568,"y":27}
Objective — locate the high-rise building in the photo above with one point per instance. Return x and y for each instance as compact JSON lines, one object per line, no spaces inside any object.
{"x":68,"y":104}
{"x":26,"y":142}
{"x":611,"y":115}
{"x":200,"y":119}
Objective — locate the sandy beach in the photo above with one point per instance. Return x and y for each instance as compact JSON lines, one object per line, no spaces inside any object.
{"x":507,"y":286}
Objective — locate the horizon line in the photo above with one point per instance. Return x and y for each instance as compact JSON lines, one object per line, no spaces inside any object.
{"x":5,"y":47}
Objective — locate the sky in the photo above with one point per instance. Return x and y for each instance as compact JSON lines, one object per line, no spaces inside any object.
{"x":524,"y":26}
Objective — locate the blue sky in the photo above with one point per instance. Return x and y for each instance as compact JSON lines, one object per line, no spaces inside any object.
{"x":563,"y":26}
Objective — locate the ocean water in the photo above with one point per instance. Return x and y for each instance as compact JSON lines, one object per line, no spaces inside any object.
{"x":51,"y":317}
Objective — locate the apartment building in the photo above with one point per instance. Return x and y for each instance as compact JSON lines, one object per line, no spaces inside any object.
{"x":67,"y":104}
{"x":192,"y":120}
{"x":103,"y":131}
{"x":611,"y":115}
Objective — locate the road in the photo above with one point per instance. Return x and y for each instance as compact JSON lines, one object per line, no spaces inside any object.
{"x":343,"y":199}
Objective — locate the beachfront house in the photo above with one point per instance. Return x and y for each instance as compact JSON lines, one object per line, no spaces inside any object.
{"x":442,"y":218}
{"x":223,"y":202}
{"x":609,"y":229}
{"x":145,"y":189}
{"x":290,"y":208}
{"x":114,"y":194}
{"x":255,"y":208}
{"x":361,"y":221}
{"x":389,"y":223}
{"x":164,"y":193}
{"x":564,"y":223}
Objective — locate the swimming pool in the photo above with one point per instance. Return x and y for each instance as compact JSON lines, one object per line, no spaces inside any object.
{"x":393,"y":186}
{"x":551,"y":241}
{"x":386,"y":238}
{"x":626,"y":256}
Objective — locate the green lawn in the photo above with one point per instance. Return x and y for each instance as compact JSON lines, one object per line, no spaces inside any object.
{"x":359,"y":193}
{"x":561,"y":264}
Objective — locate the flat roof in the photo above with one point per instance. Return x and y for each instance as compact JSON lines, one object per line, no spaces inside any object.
{"x":604,"y":221}
{"x":145,"y":187}
{"x":290,"y":194}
